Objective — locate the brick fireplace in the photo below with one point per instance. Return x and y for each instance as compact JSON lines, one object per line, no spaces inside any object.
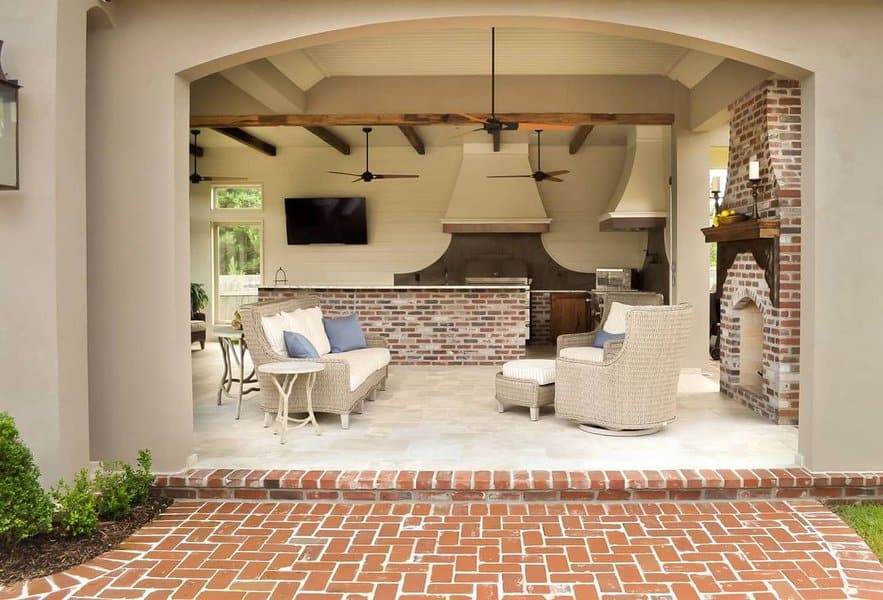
{"x":759,"y":264}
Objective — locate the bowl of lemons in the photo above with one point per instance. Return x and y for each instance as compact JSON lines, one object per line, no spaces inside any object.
{"x":730,"y":216}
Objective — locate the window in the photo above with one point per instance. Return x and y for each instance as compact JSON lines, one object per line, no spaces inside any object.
{"x":249,"y":197}
{"x":238,"y":266}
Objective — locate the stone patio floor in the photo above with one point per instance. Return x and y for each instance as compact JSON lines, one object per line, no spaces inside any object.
{"x":255,"y":550}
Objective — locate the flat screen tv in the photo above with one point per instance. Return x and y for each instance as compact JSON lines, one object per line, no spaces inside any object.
{"x":326,"y":221}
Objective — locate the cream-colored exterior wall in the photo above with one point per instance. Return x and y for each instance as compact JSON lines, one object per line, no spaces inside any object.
{"x":138,"y":194}
{"x":43,"y":355}
{"x":404,"y":217}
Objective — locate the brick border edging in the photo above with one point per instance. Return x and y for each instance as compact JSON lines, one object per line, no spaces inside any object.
{"x":519,"y":486}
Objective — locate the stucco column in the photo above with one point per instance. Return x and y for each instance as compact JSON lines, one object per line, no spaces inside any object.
{"x":43,"y":357}
{"x":139,"y":257}
{"x":841,"y":405}
{"x":690,"y":254}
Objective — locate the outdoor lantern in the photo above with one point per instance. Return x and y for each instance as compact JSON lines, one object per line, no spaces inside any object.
{"x":8,"y":131}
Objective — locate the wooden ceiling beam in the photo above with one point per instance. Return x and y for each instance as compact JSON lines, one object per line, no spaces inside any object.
{"x":330,"y":138}
{"x":579,"y":137}
{"x":413,"y":138}
{"x":423,"y":119}
{"x":244,"y":137}
{"x":196,"y":150}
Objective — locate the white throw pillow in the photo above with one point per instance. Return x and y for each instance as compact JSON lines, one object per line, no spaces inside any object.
{"x":615,"y":322}
{"x":274,"y":328}
{"x":308,"y":322}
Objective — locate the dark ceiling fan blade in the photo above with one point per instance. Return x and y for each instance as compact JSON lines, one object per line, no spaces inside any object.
{"x":465,"y":133}
{"x":356,"y":179}
{"x":389,"y":176}
{"x":506,"y":176}
{"x":550,"y":178}
{"x":210,"y":178}
{"x":554,"y":173}
{"x":345,"y":173}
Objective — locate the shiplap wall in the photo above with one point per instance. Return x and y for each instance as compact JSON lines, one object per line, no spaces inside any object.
{"x":403,"y":216}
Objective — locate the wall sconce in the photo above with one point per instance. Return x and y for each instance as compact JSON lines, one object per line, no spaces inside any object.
{"x":754,"y":180}
{"x":8,"y":131}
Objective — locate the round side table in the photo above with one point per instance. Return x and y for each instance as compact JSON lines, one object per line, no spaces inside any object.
{"x":284,"y":375}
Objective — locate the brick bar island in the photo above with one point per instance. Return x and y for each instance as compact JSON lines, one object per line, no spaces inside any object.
{"x":431,"y":325}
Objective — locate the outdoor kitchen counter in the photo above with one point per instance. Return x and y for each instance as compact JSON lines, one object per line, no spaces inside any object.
{"x":474,"y":324}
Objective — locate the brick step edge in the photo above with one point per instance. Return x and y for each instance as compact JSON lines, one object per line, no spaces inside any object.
{"x":519,"y":486}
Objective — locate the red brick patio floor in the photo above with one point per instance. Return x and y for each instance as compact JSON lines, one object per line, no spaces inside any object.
{"x":773,"y":549}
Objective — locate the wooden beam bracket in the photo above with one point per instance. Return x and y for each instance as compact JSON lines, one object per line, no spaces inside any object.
{"x":330,"y":138}
{"x":244,"y":137}
{"x":413,"y":138}
{"x":579,"y":137}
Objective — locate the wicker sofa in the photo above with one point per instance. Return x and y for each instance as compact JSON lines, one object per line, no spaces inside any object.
{"x":334,"y":391}
{"x":632,"y":391}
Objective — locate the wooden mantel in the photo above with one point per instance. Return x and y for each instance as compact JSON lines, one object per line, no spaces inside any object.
{"x":752,"y":229}
{"x":760,"y":237}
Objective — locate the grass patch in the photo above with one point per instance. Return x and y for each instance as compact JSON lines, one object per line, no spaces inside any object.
{"x":867,"y":520}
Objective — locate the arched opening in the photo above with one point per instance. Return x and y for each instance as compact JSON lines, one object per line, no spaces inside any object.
{"x":308,"y":158}
{"x":750,"y":345}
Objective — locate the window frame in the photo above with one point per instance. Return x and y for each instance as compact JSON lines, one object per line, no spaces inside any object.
{"x":214,"y":208}
{"x":216,"y":224}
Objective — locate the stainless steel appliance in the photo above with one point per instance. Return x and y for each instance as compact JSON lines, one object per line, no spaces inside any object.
{"x":613,"y":279}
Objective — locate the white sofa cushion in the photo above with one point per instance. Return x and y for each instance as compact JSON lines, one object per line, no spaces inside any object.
{"x":363,"y":363}
{"x":541,"y":371}
{"x":308,"y":323}
{"x":274,"y":328}
{"x":615,"y":322}
{"x":587,"y":353}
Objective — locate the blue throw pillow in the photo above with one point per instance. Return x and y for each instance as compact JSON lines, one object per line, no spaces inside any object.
{"x":603,"y":336}
{"x":299,"y":346}
{"x":345,"y":333}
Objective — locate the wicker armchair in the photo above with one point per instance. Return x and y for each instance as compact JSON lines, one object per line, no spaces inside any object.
{"x":331,"y":393}
{"x":570,"y":340}
{"x":633,"y":390}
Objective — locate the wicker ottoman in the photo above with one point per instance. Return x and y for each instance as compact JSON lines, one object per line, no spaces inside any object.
{"x":527,"y":382}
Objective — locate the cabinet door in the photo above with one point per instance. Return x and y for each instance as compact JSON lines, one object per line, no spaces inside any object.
{"x":570,"y":313}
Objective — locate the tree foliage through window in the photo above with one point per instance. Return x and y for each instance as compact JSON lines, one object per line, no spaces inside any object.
{"x":239,"y":249}
{"x":238,"y":197}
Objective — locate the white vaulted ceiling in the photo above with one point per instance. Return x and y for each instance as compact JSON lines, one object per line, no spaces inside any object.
{"x":520,"y":51}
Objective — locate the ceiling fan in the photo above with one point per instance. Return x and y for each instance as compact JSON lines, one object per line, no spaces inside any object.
{"x":368,"y":176}
{"x":195,"y":177}
{"x":493,"y":125}
{"x":539,"y":174}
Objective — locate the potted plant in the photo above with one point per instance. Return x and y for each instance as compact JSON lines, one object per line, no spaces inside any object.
{"x":198,"y":298}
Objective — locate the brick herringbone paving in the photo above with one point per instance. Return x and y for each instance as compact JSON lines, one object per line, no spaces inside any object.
{"x":233,"y":550}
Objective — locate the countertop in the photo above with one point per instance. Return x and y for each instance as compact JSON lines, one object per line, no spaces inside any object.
{"x":330,"y":286}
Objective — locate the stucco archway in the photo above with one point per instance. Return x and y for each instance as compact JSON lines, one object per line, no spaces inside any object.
{"x":185,"y":43}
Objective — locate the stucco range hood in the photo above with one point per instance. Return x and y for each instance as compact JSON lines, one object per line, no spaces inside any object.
{"x":640,"y":200}
{"x":482,"y":205}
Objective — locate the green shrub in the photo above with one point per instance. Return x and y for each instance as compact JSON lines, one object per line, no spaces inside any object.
{"x":26,"y":508}
{"x":76,"y":511}
{"x":120,"y":487}
{"x":139,"y":480}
